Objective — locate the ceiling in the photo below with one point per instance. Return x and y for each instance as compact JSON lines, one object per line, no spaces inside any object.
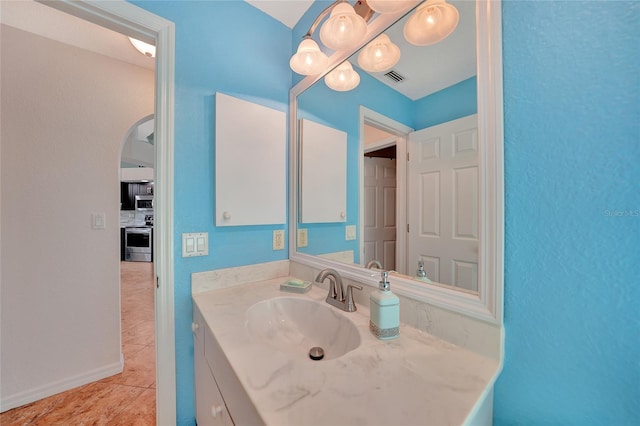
{"x":45,"y":21}
{"x":288,"y":12}
{"x":426,"y":69}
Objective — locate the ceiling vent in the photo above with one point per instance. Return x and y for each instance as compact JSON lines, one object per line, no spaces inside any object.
{"x":395,"y":76}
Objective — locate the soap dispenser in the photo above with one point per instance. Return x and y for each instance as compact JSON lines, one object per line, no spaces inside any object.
{"x":384,"y":321}
{"x":421,"y":274}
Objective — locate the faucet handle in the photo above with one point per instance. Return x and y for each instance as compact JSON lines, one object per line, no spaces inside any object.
{"x":350,"y":304}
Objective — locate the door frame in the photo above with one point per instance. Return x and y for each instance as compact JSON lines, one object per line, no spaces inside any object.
{"x":133,"y":21}
{"x":375,"y":119}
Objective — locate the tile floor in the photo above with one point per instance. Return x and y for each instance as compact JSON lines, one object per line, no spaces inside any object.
{"x":128,"y":398}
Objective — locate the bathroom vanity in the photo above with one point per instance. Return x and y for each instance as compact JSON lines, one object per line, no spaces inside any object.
{"x":243,"y":377}
{"x":442,"y":368}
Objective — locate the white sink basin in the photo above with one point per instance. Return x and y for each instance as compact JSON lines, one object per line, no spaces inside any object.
{"x":294,"y":325}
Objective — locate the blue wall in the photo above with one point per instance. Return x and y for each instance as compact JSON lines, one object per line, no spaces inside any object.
{"x":208,"y":39}
{"x":572,"y":172}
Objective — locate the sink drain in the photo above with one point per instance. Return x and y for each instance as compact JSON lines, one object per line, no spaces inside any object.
{"x":316,"y":353}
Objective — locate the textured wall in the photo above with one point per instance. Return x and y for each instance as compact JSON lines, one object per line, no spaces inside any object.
{"x":572,"y":176}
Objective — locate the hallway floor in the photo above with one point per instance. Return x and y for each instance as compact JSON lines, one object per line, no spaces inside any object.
{"x":128,"y":398}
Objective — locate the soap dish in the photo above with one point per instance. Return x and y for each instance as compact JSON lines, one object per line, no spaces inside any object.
{"x":296,"y":286}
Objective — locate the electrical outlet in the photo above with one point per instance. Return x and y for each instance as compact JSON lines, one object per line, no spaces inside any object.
{"x":350,"y":232}
{"x":278,"y":239}
{"x":302,"y":238}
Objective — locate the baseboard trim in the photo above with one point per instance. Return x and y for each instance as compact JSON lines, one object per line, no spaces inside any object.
{"x":31,"y":395}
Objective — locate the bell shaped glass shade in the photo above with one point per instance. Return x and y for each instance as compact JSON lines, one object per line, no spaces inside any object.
{"x":379,"y":55}
{"x":389,"y":6}
{"x":343,"y":78}
{"x":344,"y":28}
{"x":432,"y":22}
{"x":309,"y":59}
{"x":146,"y":49}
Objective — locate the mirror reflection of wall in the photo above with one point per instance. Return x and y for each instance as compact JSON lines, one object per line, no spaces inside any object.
{"x":439,"y":86}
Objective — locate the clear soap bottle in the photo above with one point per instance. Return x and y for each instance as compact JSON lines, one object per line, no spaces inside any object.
{"x":384,"y":320}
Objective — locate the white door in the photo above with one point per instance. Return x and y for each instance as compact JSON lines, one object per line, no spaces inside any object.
{"x":380,"y":211}
{"x":443,"y":202}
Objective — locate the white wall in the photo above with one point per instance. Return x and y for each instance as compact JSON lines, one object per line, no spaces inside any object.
{"x":64,"y":113}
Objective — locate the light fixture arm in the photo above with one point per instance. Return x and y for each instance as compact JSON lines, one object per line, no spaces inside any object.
{"x":361,"y":7}
{"x":320,"y":17}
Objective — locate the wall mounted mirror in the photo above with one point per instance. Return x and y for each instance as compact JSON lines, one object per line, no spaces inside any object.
{"x":424,"y":166}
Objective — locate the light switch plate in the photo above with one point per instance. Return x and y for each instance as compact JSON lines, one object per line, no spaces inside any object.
{"x":195,"y":244}
{"x":98,"y":221}
{"x":302,"y":238}
{"x":350,"y":232}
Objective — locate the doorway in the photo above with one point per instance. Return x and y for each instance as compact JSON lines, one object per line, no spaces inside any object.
{"x":379,"y":186}
{"x":381,"y":136}
{"x":132,"y":21}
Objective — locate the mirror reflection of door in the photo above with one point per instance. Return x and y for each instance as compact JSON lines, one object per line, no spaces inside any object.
{"x":380,"y":207}
{"x":379,"y":198}
{"x":442,"y":202}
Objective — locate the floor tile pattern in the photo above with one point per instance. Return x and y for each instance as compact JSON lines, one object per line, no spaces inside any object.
{"x":128,"y":398}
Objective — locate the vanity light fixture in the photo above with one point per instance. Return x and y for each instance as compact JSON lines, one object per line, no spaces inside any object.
{"x":431,"y":23}
{"x":343,"y":78}
{"x":380,"y":55}
{"x":146,"y":49}
{"x":309,"y":59}
{"x":389,"y":6}
{"x":346,"y":26}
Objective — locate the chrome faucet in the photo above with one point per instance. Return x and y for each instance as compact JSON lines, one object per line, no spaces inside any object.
{"x":374,"y":263}
{"x":336,"y":296}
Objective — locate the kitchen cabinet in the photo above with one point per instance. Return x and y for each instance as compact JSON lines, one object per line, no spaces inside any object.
{"x":129,"y":190}
{"x":122,"y":231}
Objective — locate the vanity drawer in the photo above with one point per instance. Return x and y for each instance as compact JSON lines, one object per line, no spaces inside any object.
{"x":210,"y":407}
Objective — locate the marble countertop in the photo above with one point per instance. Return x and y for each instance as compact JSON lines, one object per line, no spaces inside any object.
{"x":416,"y":379}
